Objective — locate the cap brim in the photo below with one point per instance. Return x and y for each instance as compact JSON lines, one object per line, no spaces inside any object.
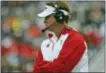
{"x":48,"y":11}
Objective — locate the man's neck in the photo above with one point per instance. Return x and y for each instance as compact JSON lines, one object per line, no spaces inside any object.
{"x":58,"y":30}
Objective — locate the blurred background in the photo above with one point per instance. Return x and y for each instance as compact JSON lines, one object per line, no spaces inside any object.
{"x":21,"y":38}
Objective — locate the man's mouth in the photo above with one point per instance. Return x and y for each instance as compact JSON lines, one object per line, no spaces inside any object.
{"x":45,"y":29}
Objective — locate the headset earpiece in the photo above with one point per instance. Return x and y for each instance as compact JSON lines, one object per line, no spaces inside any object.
{"x":59,"y":15}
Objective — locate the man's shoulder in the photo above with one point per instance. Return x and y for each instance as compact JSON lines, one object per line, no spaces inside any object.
{"x":75,"y":35}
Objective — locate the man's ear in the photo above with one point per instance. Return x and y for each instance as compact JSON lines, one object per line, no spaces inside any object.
{"x":54,"y":19}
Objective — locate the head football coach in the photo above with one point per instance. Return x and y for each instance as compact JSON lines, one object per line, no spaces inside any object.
{"x":65,"y":49}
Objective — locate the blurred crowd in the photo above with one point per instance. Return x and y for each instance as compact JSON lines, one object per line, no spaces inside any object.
{"x":21,"y":38}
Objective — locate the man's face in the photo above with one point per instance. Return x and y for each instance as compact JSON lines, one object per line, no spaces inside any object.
{"x":50,"y":20}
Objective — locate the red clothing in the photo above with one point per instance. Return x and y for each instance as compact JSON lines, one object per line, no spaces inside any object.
{"x":70,"y":54}
{"x":22,"y":48}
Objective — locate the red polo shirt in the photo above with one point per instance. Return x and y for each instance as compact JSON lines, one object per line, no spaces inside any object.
{"x":70,"y":54}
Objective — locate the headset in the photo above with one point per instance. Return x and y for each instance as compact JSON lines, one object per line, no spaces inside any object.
{"x":60,"y":15}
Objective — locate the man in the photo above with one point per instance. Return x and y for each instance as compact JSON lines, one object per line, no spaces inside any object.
{"x":65,"y":49}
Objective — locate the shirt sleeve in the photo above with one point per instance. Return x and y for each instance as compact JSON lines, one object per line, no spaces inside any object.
{"x":70,"y":55}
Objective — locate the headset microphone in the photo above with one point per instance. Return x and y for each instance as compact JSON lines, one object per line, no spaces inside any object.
{"x":43,"y":30}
